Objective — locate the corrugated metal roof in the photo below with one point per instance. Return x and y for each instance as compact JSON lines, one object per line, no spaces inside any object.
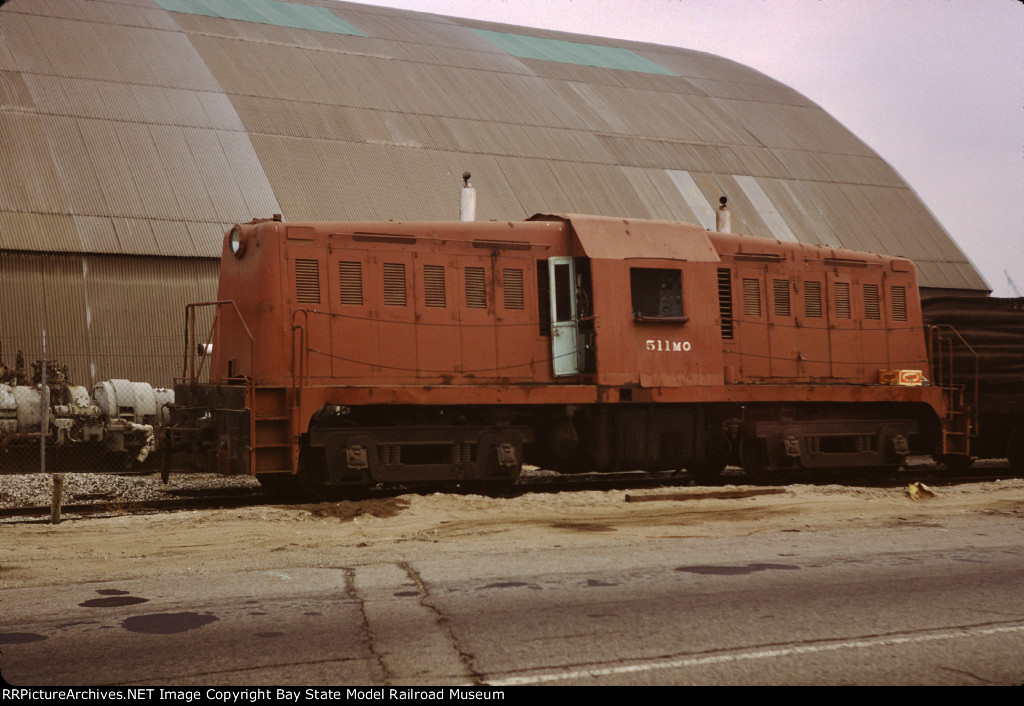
{"x":583,"y":54}
{"x":403,"y":27}
{"x":34,"y":231}
{"x":846,"y":222}
{"x":696,"y":65}
{"x":272,"y":12}
{"x":766,"y":209}
{"x":97,"y":234}
{"x":207,"y":237}
{"x":554,"y":71}
{"x":526,"y":181}
{"x":806,"y":128}
{"x":760,"y":162}
{"x":14,"y":94}
{"x":172,"y":238}
{"x":801,"y":216}
{"x":76,"y":166}
{"x":694,"y":197}
{"x":458,"y":56}
{"x":659,"y":195}
{"x":747,"y":90}
{"x":933,"y":273}
{"x":28,"y":180}
{"x":661,"y":153}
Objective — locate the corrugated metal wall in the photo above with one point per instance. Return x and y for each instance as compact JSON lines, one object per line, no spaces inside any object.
{"x":135,"y":132}
{"x":104,"y":316}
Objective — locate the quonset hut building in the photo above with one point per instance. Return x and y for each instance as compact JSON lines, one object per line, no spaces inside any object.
{"x":133,"y":133}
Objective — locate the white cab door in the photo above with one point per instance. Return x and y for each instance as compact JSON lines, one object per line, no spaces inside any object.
{"x":565,"y":338}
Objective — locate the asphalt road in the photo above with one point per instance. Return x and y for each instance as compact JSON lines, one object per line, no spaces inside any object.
{"x":927,"y":603}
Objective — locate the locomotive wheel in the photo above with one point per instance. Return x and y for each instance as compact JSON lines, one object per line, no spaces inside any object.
{"x":313,"y":475}
{"x":1015,"y":451}
{"x":753,"y":458}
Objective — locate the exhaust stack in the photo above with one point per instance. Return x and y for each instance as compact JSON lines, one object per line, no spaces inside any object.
{"x":468,"y":205}
{"x":722,"y":217}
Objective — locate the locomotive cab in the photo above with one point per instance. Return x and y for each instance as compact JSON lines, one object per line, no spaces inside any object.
{"x":642,"y":310}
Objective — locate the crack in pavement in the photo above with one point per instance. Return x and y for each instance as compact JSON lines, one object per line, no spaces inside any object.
{"x":350,"y":587}
{"x":443,"y":623}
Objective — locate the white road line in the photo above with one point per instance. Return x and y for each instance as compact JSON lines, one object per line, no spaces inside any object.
{"x":752,"y":655}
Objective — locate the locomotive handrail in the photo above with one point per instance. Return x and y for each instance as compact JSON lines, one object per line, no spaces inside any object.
{"x":189,"y":371}
{"x":214,"y":334}
{"x":940,"y":355}
{"x":300,"y":367}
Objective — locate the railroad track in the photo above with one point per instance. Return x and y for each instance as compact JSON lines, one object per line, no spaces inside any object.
{"x":120,"y":506}
{"x":105,"y":504}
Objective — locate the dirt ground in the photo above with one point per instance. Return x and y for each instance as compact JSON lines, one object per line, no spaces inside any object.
{"x":189,"y":542}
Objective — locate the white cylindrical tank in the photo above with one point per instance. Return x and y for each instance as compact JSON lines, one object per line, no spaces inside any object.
{"x":137,"y":402}
{"x":28,"y":401}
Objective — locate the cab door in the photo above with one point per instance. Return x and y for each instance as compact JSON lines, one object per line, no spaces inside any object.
{"x":565,"y":335}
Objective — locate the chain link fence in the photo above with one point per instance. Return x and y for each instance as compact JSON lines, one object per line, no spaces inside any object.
{"x":50,"y":423}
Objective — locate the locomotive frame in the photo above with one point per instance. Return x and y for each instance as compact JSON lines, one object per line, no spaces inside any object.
{"x":358,"y":354}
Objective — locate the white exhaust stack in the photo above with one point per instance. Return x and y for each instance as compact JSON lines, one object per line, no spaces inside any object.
{"x":468,"y":208}
{"x":722,"y":217}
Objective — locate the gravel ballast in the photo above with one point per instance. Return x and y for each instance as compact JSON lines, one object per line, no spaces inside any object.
{"x":36,"y":489}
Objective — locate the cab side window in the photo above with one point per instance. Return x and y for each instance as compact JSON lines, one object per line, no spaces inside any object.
{"x":656,"y":293}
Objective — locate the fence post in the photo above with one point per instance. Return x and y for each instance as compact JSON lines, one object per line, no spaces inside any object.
{"x":55,"y":503}
{"x":44,"y":413}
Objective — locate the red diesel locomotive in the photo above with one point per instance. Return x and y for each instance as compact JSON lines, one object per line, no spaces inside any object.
{"x":359,"y":354}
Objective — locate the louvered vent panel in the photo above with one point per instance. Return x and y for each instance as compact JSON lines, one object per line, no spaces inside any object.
{"x":842,"y":300}
{"x":899,"y":303}
{"x":513,"y":279}
{"x":812,"y":300}
{"x":780,"y":288}
{"x":433,"y":286}
{"x":476,"y":288}
{"x":751,"y":297}
{"x":872,"y":305}
{"x":307,"y":281}
{"x":350,"y":283}
{"x":725,"y":302}
{"x":394,"y":284}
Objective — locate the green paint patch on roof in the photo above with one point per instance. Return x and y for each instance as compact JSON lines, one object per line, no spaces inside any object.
{"x":268,"y":12}
{"x":572,"y":52}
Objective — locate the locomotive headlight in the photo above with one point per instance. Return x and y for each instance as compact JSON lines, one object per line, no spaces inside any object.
{"x":237,"y":241}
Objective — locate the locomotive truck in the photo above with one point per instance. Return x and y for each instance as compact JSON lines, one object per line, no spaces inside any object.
{"x":361,"y":354}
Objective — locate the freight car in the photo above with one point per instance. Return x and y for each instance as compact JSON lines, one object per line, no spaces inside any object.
{"x":990,"y":366}
{"x":355,"y":354}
